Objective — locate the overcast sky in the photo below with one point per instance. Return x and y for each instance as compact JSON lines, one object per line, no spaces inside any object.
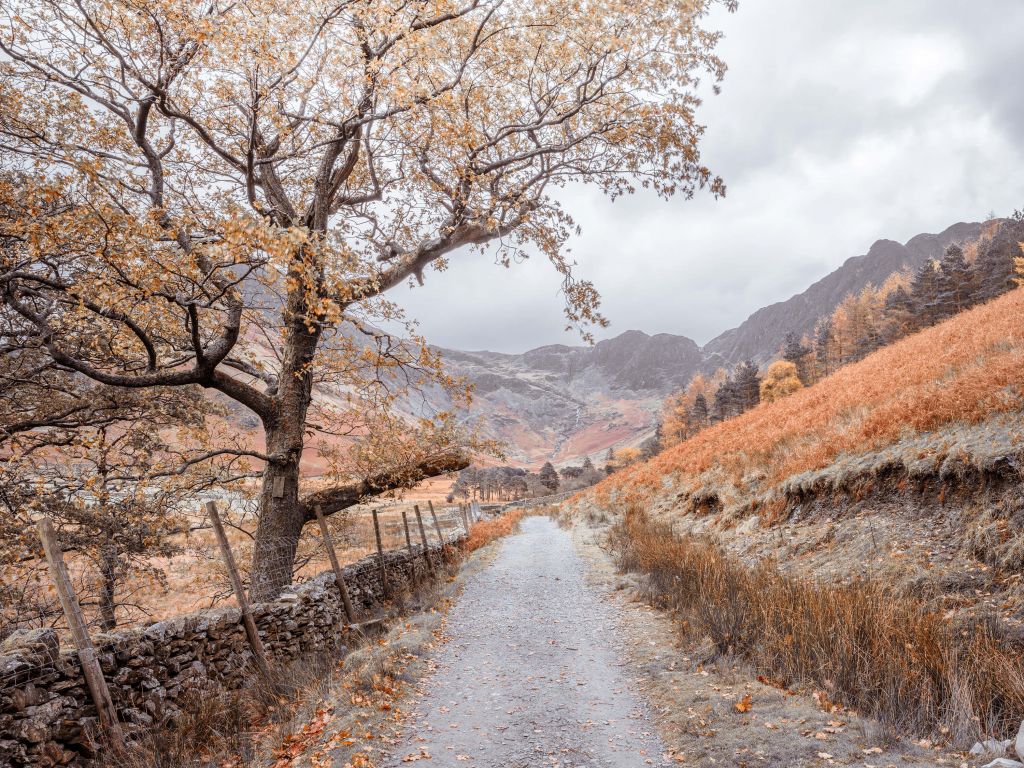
{"x":839,"y":123}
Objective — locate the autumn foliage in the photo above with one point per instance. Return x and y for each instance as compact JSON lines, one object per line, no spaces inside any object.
{"x":965,"y":369}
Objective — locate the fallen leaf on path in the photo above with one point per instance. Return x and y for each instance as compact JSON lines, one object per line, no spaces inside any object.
{"x":744,"y":704}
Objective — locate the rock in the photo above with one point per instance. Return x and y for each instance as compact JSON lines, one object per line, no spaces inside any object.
{"x":43,"y":641}
{"x":989,"y":747}
{"x":1003,"y":762}
{"x":1019,"y":744}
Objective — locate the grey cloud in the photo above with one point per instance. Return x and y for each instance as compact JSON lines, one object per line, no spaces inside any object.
{"x":838,"y":124}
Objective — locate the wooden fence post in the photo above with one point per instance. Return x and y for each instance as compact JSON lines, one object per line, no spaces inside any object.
{"x":423,"y":538}
{"x":251,"y":632}
{"x":380,"y":556}
{"x":339,"y":576}
{"x":437,"y":525}
{"x":465,"y":518}
{"x":83,"y":643}
{"x":408,"y":545}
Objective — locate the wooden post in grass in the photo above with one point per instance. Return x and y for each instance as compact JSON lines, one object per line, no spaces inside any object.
{"x":251,"y":632}
{"x":408,"y":545}
{"x":437,"y":525}
{"x":423,"y":538}
{"x":380,"y":556}
{"x":465,"y":518}
{"x":339,"y":576}
{"x":83,"y":643}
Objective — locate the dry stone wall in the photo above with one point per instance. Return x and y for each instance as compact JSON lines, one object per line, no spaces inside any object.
{"x":47,"y":717}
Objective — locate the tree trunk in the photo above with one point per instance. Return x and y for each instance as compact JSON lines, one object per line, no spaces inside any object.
{"x":108,"y":587}
{"x":281,"y":513}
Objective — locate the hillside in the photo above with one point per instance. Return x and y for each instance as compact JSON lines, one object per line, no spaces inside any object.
{"x":905,"y":465}
{"x":561,"y":402}
{"x":759,"y":336}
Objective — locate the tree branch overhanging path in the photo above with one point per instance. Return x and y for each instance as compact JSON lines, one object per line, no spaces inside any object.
{"x":220,"y":195}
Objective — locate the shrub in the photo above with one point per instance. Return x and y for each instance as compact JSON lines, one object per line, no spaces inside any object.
{"x":885,"y":655}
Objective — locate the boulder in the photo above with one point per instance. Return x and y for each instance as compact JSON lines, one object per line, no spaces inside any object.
{"x":1004,"y":762}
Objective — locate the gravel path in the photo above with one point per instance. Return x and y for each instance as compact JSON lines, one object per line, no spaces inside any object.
{"x":531,"y":674}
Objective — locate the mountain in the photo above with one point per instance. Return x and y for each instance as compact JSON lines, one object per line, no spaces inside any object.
{"x":760,"y":335}
{"x":561,"y":402}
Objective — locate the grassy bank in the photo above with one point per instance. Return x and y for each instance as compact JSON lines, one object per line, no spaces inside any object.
{"x":887,"y":656}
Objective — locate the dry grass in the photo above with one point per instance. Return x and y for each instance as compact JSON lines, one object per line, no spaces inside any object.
{"x":887,"y":656}
{"x":484,"y":532}
{"x":230,"y":729}
{"x":963,"y":370}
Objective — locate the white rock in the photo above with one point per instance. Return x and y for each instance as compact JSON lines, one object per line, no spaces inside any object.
{"x":989,"y":747}
{"x":1003,"y":762}
{"x":1019,"y":746}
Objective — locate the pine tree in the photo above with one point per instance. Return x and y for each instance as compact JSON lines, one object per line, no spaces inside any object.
{"x":796,"y":352}
{"x":924,"y":291}
{"x":724,"y":400}
{"x":823,"y":346}
{"x":609,"y":461}
{"x":994,"y":266}
{"x":698,"y":416}
{"x":748,"y":386}
{"x":549,"y":477}
{"x":954,"y":284}
{"x":898,"y":315}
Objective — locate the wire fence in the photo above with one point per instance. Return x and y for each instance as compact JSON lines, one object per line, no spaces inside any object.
{"x":197,"y":578}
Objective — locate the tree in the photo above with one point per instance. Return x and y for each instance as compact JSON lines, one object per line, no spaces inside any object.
{"x":899,"y":315}
{"x":698,"y":416}
{"x":237,"y":186}
{"x":748,"y":386}
{"x":924,"y":290}
{"x":726,"y":402}
{"x":650,"y":447}
{"x":954,"y":283}
{"x":610,"y":461}
{"x":823,"y":341}
{"x":94,"y":460}
{"x":549,"y":477}
{"x":994,"y":266}
{"x":795,"y":351}
{"x":780,"y":380}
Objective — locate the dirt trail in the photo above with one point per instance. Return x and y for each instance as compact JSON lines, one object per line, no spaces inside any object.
{"x":532,"y":674}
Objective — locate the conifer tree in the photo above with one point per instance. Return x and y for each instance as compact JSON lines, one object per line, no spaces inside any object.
{"x":549,"y":477}
{"x":796,"y":352}
{"x":698,"y":416}
{"x":924,"y":291}
{"x":898,"y":315}
{"x":748,"y":386}
{"x":954,"y":283}
{"x":994,"y":266}
{"x":823,"y":346}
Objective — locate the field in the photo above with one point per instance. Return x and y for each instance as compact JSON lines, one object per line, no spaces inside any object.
{"x":196,"y":578}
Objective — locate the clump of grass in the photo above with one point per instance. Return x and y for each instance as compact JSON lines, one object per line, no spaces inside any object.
{"x":888,"y":656}
{"x":484,"y":532}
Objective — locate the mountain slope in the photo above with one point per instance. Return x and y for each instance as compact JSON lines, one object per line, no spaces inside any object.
{"x":906,"y":466}
{"x":761,"y":334}
{"x":562,"y":402}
